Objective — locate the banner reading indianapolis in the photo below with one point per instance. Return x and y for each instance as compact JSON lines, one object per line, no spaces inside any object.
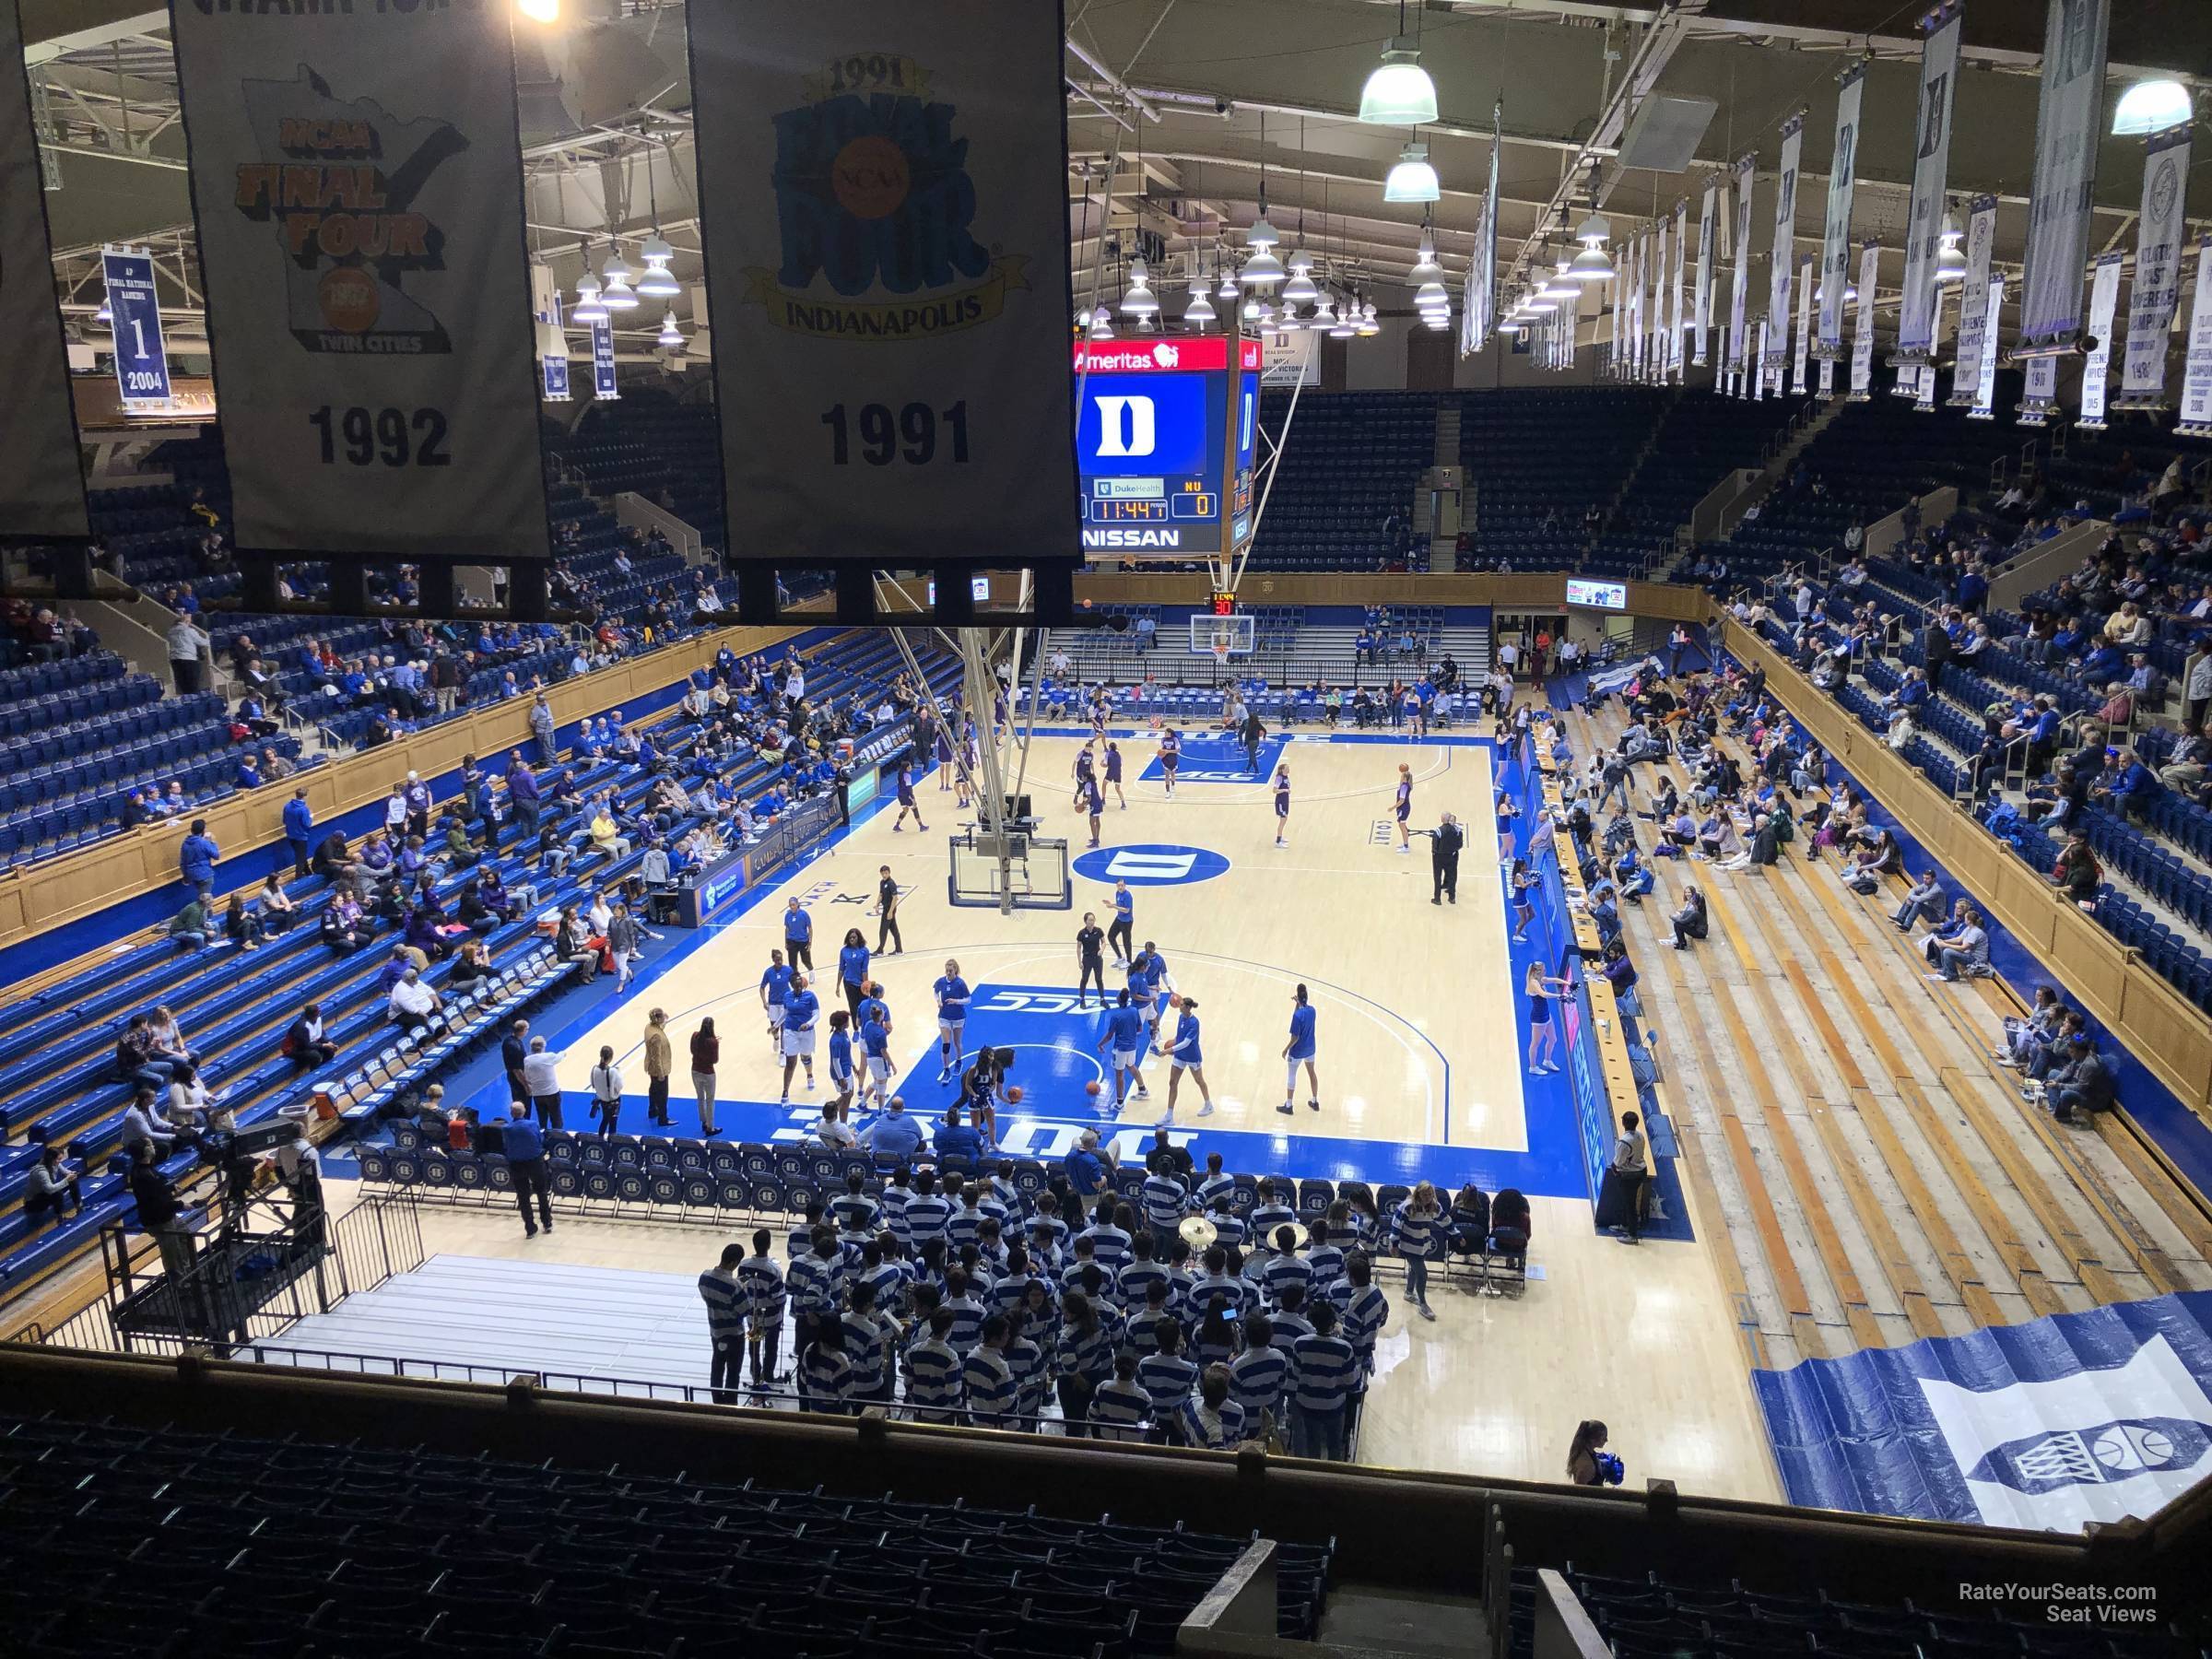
{"x":41,"y":483}
{"x":2059,"y":201}
{"x":1835,"y":241}
{"x":1781,"y":257}
{"x":357,"y":177}
{"x":886,"y":237}
{"x":2159,"y":232}
{"x":1931,"y":163}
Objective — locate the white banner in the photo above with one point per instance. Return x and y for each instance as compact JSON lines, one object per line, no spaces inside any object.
{"x":42,"y":481}
{"x":1660,"y":256}
{"x":1805,"y":325}
{"x":1708,"y":221}
{"x":1861,"y":337}
{"x":1828,"y":377}
{"x":1835,"y":245}
{"x":359,"y":177}
{"x":1739,"y":336}
{"x":2041,"y":393}
{"x":1925,"y":398}
{"x":1478,"y":313}
{"x":1931,"y":164}
{"x":1781,"y":258}
{"x":606,"y":386}
{"x":1759,"y":364}
{"x":1674,"y":353}
{"x":1985,"y":364}
{"x":887,"y":272}
{"x":2096,"y":369}
{"x":2066,"y":134}
{"x":1973,"y":302}
{"x":2157,"y":294}
{"x":2196,"y":371}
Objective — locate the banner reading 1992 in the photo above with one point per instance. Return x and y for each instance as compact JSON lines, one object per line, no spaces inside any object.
{"x":42,"y":484}
{"x":356,"y":181}
{"x":885,"y":239}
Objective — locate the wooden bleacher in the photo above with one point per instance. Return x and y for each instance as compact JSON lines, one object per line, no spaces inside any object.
{"x":1879,"y":1177}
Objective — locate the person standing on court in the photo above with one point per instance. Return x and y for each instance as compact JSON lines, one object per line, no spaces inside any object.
{"x":514,"y":1048}
{"x":798,"y":936}
{"x":729,"y":1302}
{"x":706,"y":1050}
{"x":1446,"y":839}
{"x":1090,"y":959}
{"x":659,"y":1057}
{"x":887,"y":911}
{"x":541,"y":1078}
{"x":853,"y":970}
{"x":1299,"y":1051}
{"x":298,"y":830}
{"x":526,"y":1164}
{"x":1251,"y":735}
{"x":1120,"y":935}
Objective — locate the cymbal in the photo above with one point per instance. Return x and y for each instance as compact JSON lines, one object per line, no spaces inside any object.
{"x":1197,"y":1231}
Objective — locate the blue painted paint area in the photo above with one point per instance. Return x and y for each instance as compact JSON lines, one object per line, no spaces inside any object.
{"x":1218,"y":759}
{"x":1055,"y":1038}
{"x":2046,"y":1425}
{"x":1152,"y":863}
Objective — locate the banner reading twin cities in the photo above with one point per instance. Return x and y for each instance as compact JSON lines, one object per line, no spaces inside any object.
{"x":883,"y":187}
{"x":42,"y":484}
{"x":356,"y":180}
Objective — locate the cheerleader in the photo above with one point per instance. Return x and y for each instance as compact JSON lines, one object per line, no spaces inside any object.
{"x":906,"y":800}
{"x":1543,"y":1033}
{"x":1282,"y":804}
{"x":1404,"y":808}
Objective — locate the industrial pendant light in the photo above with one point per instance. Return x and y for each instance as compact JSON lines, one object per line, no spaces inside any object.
{"x":1369,"y":328}
{"x":619,"y":296}
{"x":2150,"y":106}
{"x":1590,"y":265}
{"x":1139,"y":301}
{"x":1950,"y":263}
{"x":671,"y":336}
{"x":1399,"y":93}
{"x":656,"y":283}
{"x":1199,"y":312}
{"x":588,"y":308}
{"x":1412,"y":180}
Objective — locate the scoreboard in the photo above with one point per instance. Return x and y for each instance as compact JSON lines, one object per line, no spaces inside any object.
{"x":1166,"y":436}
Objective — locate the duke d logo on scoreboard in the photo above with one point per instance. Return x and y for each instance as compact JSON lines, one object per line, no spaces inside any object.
{"x":876,"y":213}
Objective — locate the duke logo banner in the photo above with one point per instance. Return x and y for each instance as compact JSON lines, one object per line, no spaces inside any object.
{"x":1931,"y":163}
{"x":885,"y":238}
{"x":1740,"y":284}
{"x":1781,"y":258}
{"x":41,"y":484}
{"x":1835,"y":243}
{"x":356,"y":180}
{"x":2067,"y":119}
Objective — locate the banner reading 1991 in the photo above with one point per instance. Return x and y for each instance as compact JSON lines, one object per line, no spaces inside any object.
{"x":356,"y":183}
{"x":41,"y":484}
{"x":885,"y":238}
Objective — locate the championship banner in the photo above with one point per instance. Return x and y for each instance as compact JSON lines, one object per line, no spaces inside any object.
{"x":2041,"y":395}
{"x":2096,"y":369}
{"x":1835,"y":243}
{"x":2157,"y":295}
{"x":1674,"y":353}
{"x":2196,"y":371}
{"x":1758,"y":365}
{"x":1923,"y":400}
{"x":2066,"y":134}
{"x":552,"y":340}
{"x":1861,"y":337}
{"x":1781,"y":256}
{"x":1804,"y":325}
{"x":1828,"y":377}
{"x":1985,"y":366}
{"x":1976,"y":326}
{"x":1931,"y":165}
{"x":357,"y":180}
{"x":1477,"y":311}
{"x":135,"y":310}
{"x":1738,"y":324}
{"x":885,"y":240}
{"x":606,"y":386}
{"x":1657,"y":321}
{"x":1708,"y":219}
{"x":42,"y":481}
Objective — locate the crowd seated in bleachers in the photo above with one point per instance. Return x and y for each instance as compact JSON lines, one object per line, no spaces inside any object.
{"x":417,"y":1551}
{"x":494,"y":863}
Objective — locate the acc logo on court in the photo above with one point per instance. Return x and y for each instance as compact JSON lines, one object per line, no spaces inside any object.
{"x":874,"y":198}
{"x":1151,"y":865}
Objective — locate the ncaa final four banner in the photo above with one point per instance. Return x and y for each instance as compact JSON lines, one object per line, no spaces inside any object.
{"x":1783,"y":257}
{"x":1835,"y":236}
{"x":356,"y":181}
{"x":2068,"y":116}
{"x":1931,"y":164}
{"x":885,"y":233}
{"x":41,"y":484}
{"x":2159,"y":234}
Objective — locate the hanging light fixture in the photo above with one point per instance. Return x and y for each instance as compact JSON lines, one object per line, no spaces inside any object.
{"x":588,"y":308}
{"x":1950,"y":263}
{"x":671,"y":336}
{"x":1102,"y":324}
{"x":1262,"y":268}
{"x":1139,"y":301}
{"x":106,"y":313}
{"x":1563,"y":286}
{"x":1590,"y":265}
{"x":1399,"y":93}
{"x":619,"y":296}
{"x":2150,"y":106}
{"x":1535,"y":302}
{"x":657,"y":283}
{"x":1323,"y":319}
{"x":1301,"y":289}
{"x":1368,"y":326}
{"x":1199,"y":312}
{"x":1288,"y":322}
{"x":1427,"y":276}
{"x":1412,"y":180}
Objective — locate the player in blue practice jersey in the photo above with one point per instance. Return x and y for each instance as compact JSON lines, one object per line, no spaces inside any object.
{"x":801,"y":1009}
{"x":775,"y":983}
{"x":841,"y":1059}
{"x":952,"y":996}
{"x":1124,"y":1028}
{"x":1299,"y":1051}
{"x":1170,"y":757}
{"x":906,"y":800}
{"x":876,"y":1045}
{"x":1185,"y":1054}
{"x":1145,"y":970}
{"x":1403,"y":807}
{"x":1282,"y":804}
{"x":1113,"y":773}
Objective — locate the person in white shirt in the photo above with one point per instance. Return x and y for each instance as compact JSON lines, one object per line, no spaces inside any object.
{"x":541,"y":1077}
{"x":411,"y":1001}
{"x":143,"y":1122}
{"x":188,"y":1096}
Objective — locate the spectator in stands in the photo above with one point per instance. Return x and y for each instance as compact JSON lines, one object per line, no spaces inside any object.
{"x":1959,"y":946}
{"x":541,"y":728}
{"x":196,"y":858}
{"x":2187,"y":761}
{"x":525,"y":1152}
{"x":1923,"y":903}
{"x":896,"y":1134}
{"x":188,"y":928}
{"x":189,"y":650}
{"x":2076,"y":872}
{"x":412,"y":1001}
{"x":2083,"y":1082}
{"x":1688,"y":921}
{"x":305,"y":1043}
{"x":143,"y":1123}
{"x":51,"y":1189}
{"x":242,"y":927}
{"x":2127,"y":787}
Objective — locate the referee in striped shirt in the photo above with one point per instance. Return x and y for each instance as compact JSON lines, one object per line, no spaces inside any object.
{"x":729,"y":1302}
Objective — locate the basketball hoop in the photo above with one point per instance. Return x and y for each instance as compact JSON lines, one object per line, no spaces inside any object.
{"x":1220,"y":651}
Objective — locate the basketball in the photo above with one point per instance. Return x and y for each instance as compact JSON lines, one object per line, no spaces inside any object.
{"x":1092,"y":1089}
{"x":1014,"y":1095}
{"x":1174,"y":1001}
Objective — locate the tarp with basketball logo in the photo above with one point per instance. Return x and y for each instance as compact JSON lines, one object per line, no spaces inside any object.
{"x":41,"y":484}
{"x":885,"y":240}
{"x":356,"y":180}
